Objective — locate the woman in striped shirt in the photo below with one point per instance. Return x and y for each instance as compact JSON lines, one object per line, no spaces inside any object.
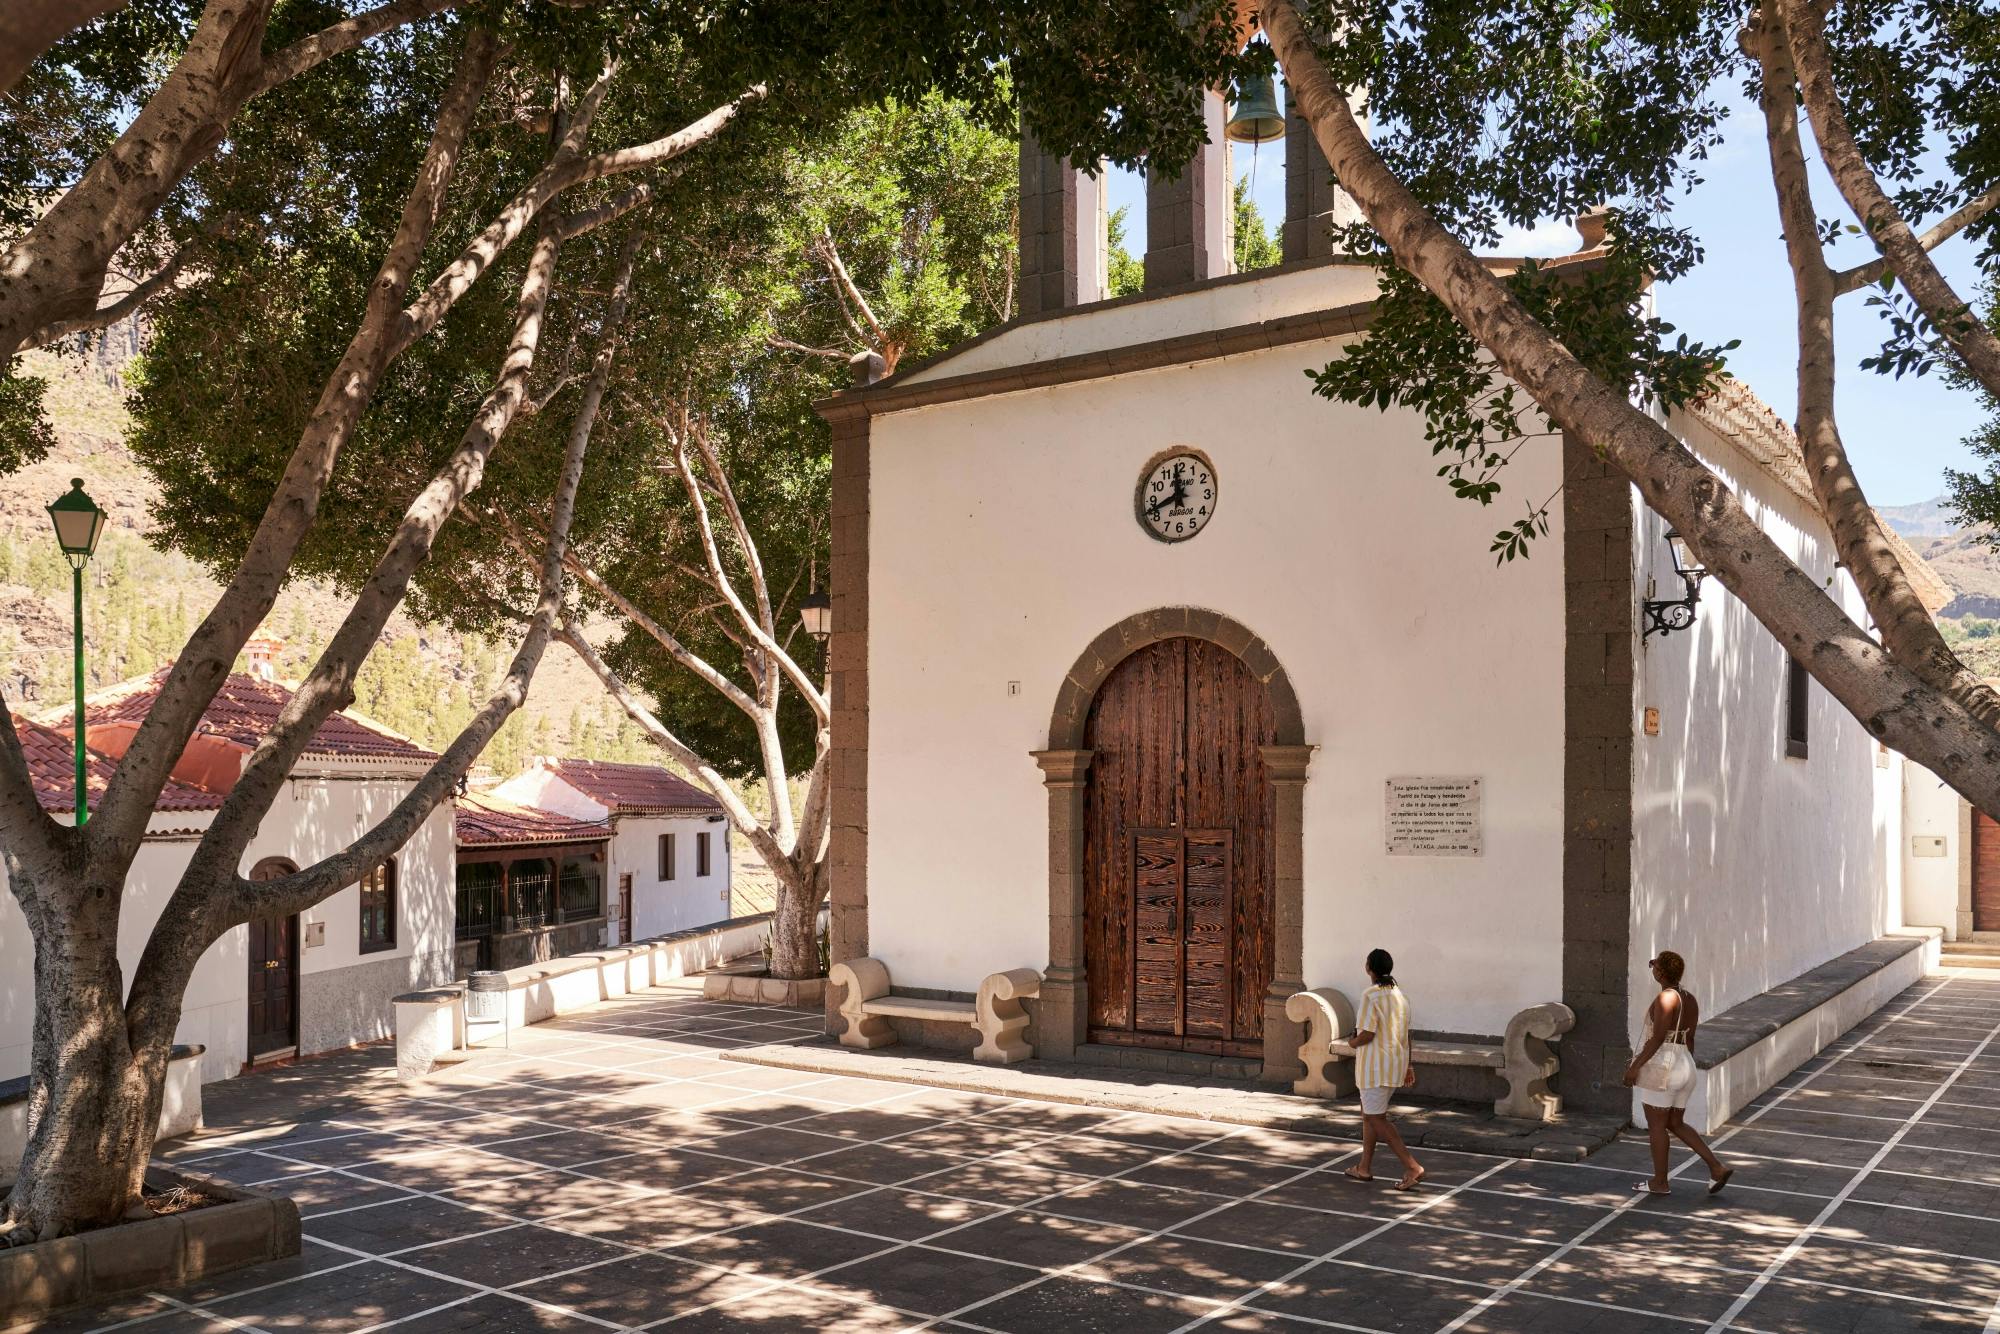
{"x":1381,"y":1044}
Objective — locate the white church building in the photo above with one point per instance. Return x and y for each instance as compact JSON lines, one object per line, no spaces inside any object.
{"x":1161,"y":676}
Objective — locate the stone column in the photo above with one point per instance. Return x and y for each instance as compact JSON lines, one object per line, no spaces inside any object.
{"x":1188,"y":218}
{"x":1286,"y":768}
{"x":1062,"y":1022}
{"x":1313,"y":203}
{"x":1062,"y":232}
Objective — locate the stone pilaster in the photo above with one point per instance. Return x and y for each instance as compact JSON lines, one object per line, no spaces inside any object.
{"x":1286,"y":768}
{"x":1188,"y":218}
{"x":1062,"y":1021}
{"x":1062,"y":233}
{"x":1599,"y":646}
{"x":847,"y":681}
{"x":1314,"y":204}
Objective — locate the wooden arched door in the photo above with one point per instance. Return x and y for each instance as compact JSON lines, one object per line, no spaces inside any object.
{"x":1178,"y":852}
{"x":274,"y":972}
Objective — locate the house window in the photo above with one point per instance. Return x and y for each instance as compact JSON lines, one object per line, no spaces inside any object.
{"x":1797,"y":701}
{"x":378,"y":908}
{"x":582,"y":888}
{"x":701,"y":854}
{"x":666,"y":856}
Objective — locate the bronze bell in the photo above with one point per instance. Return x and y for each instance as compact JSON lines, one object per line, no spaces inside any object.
{"x":1255,"y":117}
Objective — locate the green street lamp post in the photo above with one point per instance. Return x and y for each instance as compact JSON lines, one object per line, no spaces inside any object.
{"x":79,"y":523}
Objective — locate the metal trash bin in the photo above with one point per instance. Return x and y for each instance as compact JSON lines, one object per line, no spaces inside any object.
{"x":486,"y":997}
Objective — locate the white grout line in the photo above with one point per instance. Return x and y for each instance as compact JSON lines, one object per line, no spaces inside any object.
{"x":1798,"y":1243}
{"x":1638,"y":1197}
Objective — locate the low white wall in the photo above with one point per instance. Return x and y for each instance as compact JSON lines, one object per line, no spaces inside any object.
{"x":1720,"y":1092}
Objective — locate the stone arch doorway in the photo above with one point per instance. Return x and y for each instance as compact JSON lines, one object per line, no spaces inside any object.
{"x":1175,"y":774}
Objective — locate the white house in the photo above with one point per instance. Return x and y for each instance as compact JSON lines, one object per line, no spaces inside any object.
{"x":313,"y":982}
{"x":668,"y":865}
{"x":1155,"y":673}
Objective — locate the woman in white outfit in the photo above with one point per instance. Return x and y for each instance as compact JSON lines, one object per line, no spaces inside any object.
{"x":1663,"y":1072}
{"x":1382,"y":1065}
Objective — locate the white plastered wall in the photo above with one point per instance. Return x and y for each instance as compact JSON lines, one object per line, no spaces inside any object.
{"x":1002,"y":540}
{"x":1931,"y":813}
{"x":1752,"y":865}
{"x":660,"y":906}
{"x":312,"y":818}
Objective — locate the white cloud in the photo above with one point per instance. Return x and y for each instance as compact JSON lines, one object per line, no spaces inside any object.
{"x":1542,"y":240}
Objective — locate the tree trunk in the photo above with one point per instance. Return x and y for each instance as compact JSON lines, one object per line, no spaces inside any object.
{"x":94,"y":1096}
{"x":795,"y":923}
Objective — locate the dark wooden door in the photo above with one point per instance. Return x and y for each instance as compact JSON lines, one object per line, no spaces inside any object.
{"x":1985,"y":872}
{"x":1177,"y":852}
{"x":625,"y":909}
{"x":274,"y":973}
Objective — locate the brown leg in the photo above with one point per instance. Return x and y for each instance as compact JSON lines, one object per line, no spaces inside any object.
{"x":1688,"y":1135}
{"x":1658,"y":1119}
{"x":1411,"y":1171}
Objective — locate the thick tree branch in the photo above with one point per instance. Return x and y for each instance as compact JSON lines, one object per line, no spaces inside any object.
{"x":1864,"y":275}
{"x":664,"y":637}
{"x":830,"y":256}
{"x":205,"y":660}
{"x":1907,"y":629}
{"x":30,"y":840}
{"x":1891,"y":702}
{"x":342,"y":37}
{"x":1950,"y":314}
{"x":565,"y":169}
{"x":30,"y":27}
{"x":118,"y":309}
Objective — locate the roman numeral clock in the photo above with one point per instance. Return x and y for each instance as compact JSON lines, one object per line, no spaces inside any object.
{"x":1177,"y":494}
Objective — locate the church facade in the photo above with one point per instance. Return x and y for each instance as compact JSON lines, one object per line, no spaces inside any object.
{"x":1158,"y":674}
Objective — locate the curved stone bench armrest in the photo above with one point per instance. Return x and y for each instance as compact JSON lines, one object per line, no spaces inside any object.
{"x":1328,"y":1018}
{"x":1530,"y":1064}
{"x":862,"y":981}
{"x":1001,"y":1019}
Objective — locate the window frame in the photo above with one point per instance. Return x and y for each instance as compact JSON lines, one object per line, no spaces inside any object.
{"x":667,"y":858}
{"x":702,"y":860}
{"x":1798,"y":709}
{"x":387,"y":889}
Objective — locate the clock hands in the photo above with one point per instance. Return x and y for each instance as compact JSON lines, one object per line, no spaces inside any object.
{"x":1175,"y":498}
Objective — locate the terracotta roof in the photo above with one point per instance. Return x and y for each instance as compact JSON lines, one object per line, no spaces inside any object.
{"x":1734,"y":412}
{"x":245,"y":708}
{"x":52,"y":765}
{"x":631,"y":787}
{"x":489,"y":820}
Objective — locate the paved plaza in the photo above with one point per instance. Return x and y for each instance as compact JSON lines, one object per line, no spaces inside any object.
{"x":613,"y":1171}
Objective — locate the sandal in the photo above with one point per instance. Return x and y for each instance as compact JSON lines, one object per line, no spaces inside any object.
{"x":1716,"y":1184}
{"x":1356,"y":1174}
{"x":1646,"y":1188}
{"x":1413,"y":1180}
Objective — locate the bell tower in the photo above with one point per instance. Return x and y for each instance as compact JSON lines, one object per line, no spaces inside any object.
{"x":1063,"y":251}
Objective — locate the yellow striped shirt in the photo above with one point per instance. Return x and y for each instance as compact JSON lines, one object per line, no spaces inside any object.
{"x":1382,"y":1063}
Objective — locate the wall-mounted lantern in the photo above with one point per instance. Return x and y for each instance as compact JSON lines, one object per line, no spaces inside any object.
{"x":816,"y":615}
{"x":1665,"y":615}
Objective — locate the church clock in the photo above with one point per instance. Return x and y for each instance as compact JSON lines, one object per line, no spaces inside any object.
{"x":1177,"y":495}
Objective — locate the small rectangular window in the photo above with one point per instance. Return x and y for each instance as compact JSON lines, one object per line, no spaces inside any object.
{"x":666,"y":856}
{"x":378,"y":908}
{"x":701,"y":854}
{"x":1797,"y":708}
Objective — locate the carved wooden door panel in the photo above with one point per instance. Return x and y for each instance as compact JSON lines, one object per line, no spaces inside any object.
{"x":1177,"y":852}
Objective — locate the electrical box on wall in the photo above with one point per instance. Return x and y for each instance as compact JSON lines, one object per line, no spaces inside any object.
{"x":1652,"y":722}
{"x":315,"y":935}
{"x":1927,"y":845}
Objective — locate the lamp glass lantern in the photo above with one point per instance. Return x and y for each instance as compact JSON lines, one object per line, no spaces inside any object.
{"x":78,"y":523}
{"x":816,"y":615}
{"x":1666,"y":615}
{"x":1686,"y":564}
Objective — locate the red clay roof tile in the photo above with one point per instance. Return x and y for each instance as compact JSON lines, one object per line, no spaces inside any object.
{"x":489,"y":820}
{"x":246,"y":707}
{"x":52,"y":766}
{"x":632,"y":787}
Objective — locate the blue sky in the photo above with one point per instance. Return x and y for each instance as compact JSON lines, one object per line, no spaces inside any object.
{"x":1902,"y":435}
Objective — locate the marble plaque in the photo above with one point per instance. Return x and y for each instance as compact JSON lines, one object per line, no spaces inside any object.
{"x":1431,"y":817}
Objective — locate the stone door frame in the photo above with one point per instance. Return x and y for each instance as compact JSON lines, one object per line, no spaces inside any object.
{"x":1063,"y":1016}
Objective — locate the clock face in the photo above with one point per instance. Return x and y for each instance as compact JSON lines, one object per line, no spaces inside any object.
{"x":1177,"y":495}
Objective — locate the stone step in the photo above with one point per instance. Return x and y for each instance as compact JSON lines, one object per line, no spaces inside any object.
{"x":1958,"y":956}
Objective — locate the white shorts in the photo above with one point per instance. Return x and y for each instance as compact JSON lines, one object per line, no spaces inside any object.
{"x":1375,"y":1102}
{"x":1660,"y":1098}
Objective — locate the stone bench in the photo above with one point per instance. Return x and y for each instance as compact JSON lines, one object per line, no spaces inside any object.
{"x":997,"y":1015}
{"x":1521,"y":1058}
